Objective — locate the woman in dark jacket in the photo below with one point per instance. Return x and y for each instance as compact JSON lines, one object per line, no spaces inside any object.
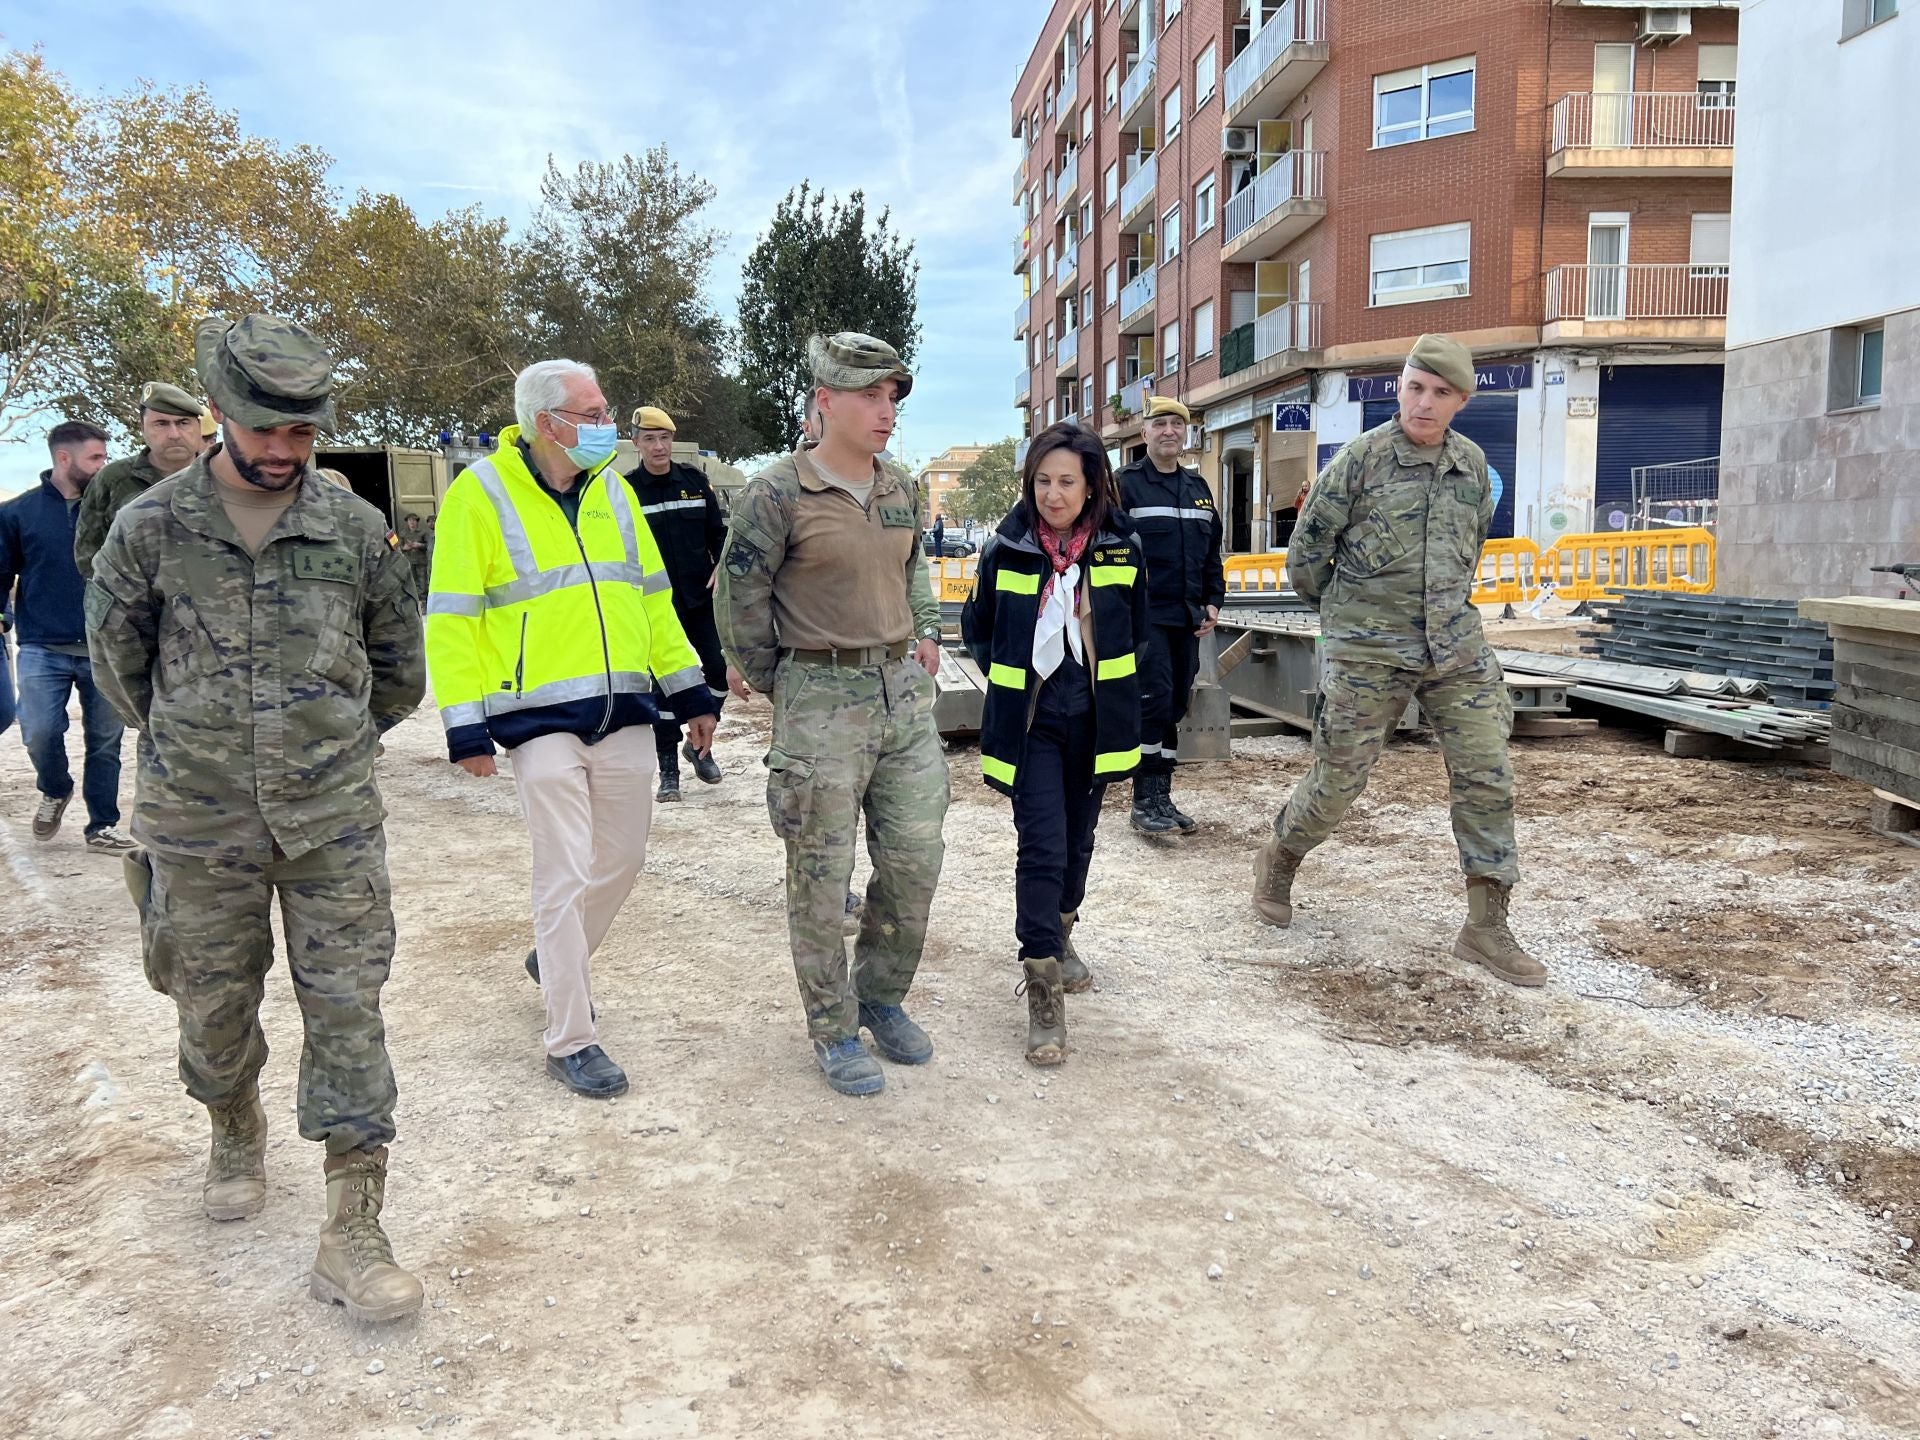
{"x":1055,"y":621}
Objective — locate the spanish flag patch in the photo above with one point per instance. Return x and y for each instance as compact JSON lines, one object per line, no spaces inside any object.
{"x":393,"y":541}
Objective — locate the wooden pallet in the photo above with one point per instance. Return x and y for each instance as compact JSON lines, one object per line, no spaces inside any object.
{"x":1895,"y":818}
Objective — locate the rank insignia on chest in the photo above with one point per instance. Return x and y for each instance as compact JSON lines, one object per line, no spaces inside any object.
{"x":317,"y":562}
{"x":896,"y":515}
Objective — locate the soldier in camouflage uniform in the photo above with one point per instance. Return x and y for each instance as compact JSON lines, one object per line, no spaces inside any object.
{"x":824,"y":603}
{"x":1387,"y":550}
{"x":258,"y":627}
{"x":170,"y":424}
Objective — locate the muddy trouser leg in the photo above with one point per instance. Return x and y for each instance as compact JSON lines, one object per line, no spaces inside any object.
{"x":906,"y":806}
{"x":1044,"y":828}
{"x":1357,"y":709}
{"x":1471,"y":712}
{"x":337,"y":908}
{"x":828,"y":727}
{"x":208,"y":941}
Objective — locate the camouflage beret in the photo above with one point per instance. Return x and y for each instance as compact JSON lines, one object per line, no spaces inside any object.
{"x":167,"y":399}
{"x":852,"y":361}
{"x":1167,"y":405}
{"x":652,"y":417}
{"x":1446,"y":357}
{"x":264,"y":372}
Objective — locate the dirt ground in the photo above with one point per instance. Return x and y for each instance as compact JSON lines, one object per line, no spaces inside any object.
{"x":1315,"y":1183}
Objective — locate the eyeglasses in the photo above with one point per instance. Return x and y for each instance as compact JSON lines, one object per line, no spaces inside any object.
{"x":591,"y":417}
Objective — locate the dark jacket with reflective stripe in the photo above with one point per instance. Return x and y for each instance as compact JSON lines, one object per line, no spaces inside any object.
{"x":997,"y":625}
{"x":684,"y":515}
{"x":1179,"y":530}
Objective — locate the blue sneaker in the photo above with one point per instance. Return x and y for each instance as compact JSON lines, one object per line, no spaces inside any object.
{"x":848,"y":1067}
{"x":895,"y":1036}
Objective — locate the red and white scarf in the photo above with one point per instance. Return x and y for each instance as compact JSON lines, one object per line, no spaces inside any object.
{"x":1055,"y":631}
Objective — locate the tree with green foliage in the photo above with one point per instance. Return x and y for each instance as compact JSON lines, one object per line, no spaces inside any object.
{"x":820,"y":268}
{"x":989,"y":487}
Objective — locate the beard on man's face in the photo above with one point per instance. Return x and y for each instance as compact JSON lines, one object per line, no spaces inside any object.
{"x":257,"y":476}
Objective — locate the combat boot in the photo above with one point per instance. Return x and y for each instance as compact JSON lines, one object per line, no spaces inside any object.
{"x":1184,"y":822}
{"x":705,"y":767}
{"x":1074,"y":974}
{"x":1486,"y":940}
{"x":1146,"y":816}
{"x":1273,"y":870}
{"x":1046,"y":1012}
{"x":669,"y":777}
{"x":236,"y":1184}
{"x":355,"y":1265}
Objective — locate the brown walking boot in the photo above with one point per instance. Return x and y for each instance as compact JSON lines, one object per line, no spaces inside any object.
{"x":1486,"y":940}
{"x":1273,"y":871}
{"x":236,"y":1184}
{"x":1074,"y":974}
{"x":1046,"y":1012}
{"x":355,"y":1265}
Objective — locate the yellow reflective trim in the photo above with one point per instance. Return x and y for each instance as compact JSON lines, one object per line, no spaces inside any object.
{"x":998,"y":769}
{"x":1011,"y":676}
{"x":1117,"y":668}
{"x":1116,"y":761}
{"x":1016,"y":582}
{"x":1114,"y":574}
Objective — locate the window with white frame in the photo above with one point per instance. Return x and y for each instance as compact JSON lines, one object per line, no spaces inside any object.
{"x":1855,"y":365}
{"x":1086,"y":122}
{"x":1053,"y":406}
{"x":1858,"y":15}
{"x":1413,"y":265}
{"x":1205,"y":73}
{"x":1707,"y":255}
{"x":1113,"y":377}
{"x":1170,"y":348}
{"x":1086,"y":30}
{"x":1718,"y":65}
{"x":1173,"y":9}
{"x":1203,"y":329}
{"x":1204,"y":205}
{"x":1170,"y":115}
{"x":1086,"y":395}
{"x":1112,"y":291}
{"x":1170,"y":234}
{"x":1086,"y":302}
{"x":1873,"y":341}
{"x":1110,"y":91}
{"x":1423,"y":103}
{"x":1110,"y":186}
{"x":1086,"y":216}
{"x":1050,"y":350}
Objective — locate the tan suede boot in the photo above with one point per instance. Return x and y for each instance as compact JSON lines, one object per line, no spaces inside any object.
{"x":236,"y":1184}
{"x":1486,"y":940}
{"x":1273,"y":872}
{"x":355,"y":1265}
{"x":1074,"y":973}
{"x":1046,"y":1012}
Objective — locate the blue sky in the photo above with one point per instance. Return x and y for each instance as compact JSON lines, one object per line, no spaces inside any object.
{"x":456,"y":104}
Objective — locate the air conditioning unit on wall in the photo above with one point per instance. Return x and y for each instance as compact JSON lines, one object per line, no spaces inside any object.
{"x":1664,"y":24}
{"x":1239,"y":140}
{"x":1196,"y":437}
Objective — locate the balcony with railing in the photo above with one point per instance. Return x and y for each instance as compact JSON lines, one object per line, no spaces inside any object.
{"x":1137,"y":87}
{"x":1020,"y":317}
{"x":1136,"y":195}
{"x":1642,"y":133}
{"x":1022,"y":247}
{"x":1067,"y":358}
{"x":1068,"y":179}
{"x":1133,"y":396}
{"x":1287,"y":331}
{"x":1020,"y":181}
{"x":1636,"y":302}
{"x":1068,"y":270}
{"x":1284,"y":201}
{"x":1023,"y":388}
{"x":1136,"y":304}
{"x":1280,"y":60}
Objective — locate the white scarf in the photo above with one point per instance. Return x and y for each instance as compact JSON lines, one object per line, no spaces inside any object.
{"x":1056,"y":630}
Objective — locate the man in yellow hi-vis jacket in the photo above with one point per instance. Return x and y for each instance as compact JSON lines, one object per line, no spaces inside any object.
{"x":549,"y":620}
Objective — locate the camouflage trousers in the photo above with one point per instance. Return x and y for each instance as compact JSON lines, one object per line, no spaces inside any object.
{"x":1471,"y":714}
{"x":208,"y":938}
{"x":845,"y":741}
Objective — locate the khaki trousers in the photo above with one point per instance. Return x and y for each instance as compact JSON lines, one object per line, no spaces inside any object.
{"x":588,"y":809}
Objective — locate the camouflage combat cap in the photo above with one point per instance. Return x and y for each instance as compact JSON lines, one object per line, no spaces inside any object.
{"x":264,"y":372}
{"x":852,"y":361}
{"x":165,"y":399}
{"x":1446,"y":357}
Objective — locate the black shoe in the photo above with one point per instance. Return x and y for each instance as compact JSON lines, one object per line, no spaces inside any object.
{"x":1147,"y":816}
{"x":895,"y":1036}
{"x":533,"y":969}
{"x":669,"y":783}
{"x":588,"y":1072}
{"x":705,"y":768}
{"x":1186,"y":823}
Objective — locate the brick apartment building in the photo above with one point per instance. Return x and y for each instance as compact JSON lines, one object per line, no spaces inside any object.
{"x":1257,"y":206}
{"x":940,"y":475}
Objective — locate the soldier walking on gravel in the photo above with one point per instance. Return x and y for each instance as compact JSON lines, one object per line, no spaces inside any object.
{"x":1387,"y":550}
{"x":258,"y":627}
{"x":824,"y":603}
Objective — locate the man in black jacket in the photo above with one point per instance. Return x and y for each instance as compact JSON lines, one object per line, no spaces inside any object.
{"x":1178,"y":525}
{"x":684,"y":515}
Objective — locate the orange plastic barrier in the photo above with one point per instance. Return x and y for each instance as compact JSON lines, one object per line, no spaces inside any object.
{"x":1256,"y":572}
{"x":1592,"y":567}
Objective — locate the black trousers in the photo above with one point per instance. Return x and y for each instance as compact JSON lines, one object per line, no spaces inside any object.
{"x":1056,"y":806}
{"x":704,"y":636}
{"x":1171,"y":661}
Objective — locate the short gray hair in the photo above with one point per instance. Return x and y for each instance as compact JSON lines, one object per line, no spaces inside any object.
{"x":543,"y":386}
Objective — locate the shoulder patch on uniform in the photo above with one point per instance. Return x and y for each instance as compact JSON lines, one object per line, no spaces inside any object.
{"x":742,"y":556}
{"x":393,"y":541}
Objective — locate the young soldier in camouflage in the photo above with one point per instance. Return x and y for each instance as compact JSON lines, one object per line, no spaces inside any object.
{"x":170,"y":425}
{"x":258,"y":628}
{"x":1387,"y":550}
{"x":824,"y":603}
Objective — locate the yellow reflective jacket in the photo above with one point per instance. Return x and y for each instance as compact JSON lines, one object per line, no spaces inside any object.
{"x":534,"y":628}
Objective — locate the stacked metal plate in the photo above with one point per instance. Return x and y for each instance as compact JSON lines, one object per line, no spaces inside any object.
{"x":1764,"y":640}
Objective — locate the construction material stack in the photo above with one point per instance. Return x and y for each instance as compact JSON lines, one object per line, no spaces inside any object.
{"x":1764,"y":640}
{"x":1876,"y":696}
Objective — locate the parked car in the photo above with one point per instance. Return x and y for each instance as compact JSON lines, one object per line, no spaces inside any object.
{"x":953,"y":547}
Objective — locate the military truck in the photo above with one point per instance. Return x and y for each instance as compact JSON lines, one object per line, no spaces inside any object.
{"x":397,"y":479}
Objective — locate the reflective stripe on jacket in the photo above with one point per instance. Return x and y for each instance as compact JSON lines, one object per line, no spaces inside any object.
{"x":997,"y":625}
{"x":534,"y":629}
